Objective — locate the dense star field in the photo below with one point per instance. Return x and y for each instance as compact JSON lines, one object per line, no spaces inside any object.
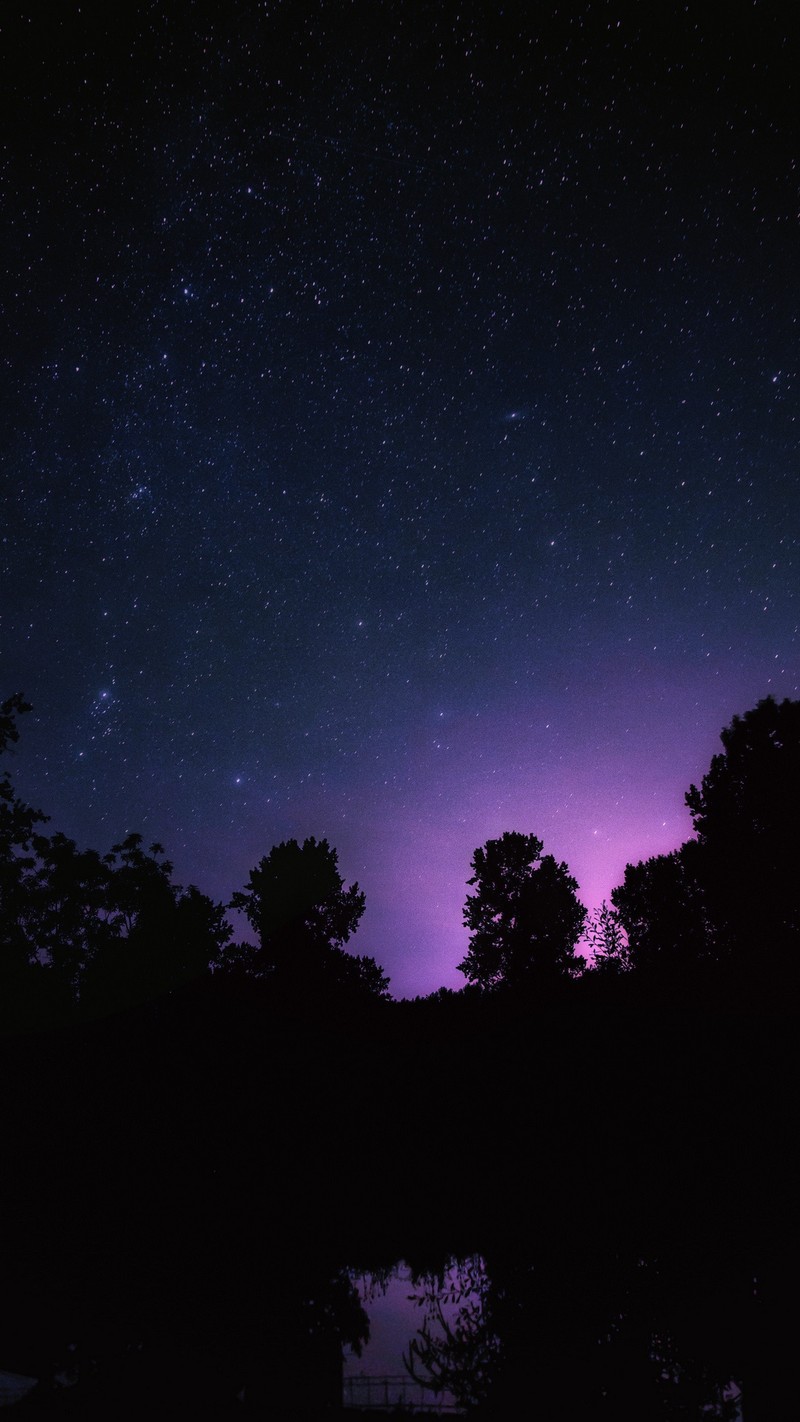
{"x":400,"y":430}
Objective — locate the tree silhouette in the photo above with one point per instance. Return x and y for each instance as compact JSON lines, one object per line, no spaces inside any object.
{"x":295,"y":899}
{"x":19,"y":966}
{"x":456,"y":1349}
{"x":78,"y":927}
{"x":297,"y":903}
{"x":69,"y":918}
{"x":661,"y":906}
{"x":525,"y":917}
{"x":745,"y":815}
{"x":156,"y":936}
{"x":354,"y":976}
{"x":607,"y":942}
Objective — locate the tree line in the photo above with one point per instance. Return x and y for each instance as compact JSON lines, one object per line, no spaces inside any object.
{"x":719,"y":916}
{"x":188,"y":1181}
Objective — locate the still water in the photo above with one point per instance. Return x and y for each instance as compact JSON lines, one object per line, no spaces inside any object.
{"x":424,"y":1330}
{"x":433,"y":1345}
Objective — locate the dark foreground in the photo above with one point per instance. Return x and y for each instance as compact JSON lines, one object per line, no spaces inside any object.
{"x":186,"y":1187}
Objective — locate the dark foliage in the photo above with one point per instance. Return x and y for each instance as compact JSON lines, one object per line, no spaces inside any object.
{"x":297,"y":903}
{"x":605,"y":939}
{"x":18,"y":828}
{"x":662,"y":908}
{"x":157,"y":936}
{"x":186,"y":1183}
{"x":719,"y":918}
{"x":746,"y":818}
{"x":524,"y":917}
{"x":85,"y":932}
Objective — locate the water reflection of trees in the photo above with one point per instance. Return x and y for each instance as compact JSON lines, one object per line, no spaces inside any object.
{"x":619,"y":1236}
{"x":594,"y":1331}
{"x":609,"y":1333}
{"x":455,"y":1350}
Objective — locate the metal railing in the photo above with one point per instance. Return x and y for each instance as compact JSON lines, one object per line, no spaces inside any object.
{"x":392,"y":1391}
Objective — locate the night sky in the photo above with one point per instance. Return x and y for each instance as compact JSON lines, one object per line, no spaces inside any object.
{"x":399,"y":421}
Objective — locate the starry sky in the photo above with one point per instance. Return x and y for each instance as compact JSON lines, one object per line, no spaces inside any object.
{"x":399,"y":429}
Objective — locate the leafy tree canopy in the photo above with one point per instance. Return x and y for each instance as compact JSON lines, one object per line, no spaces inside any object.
{"x":752,"y":789}
{"x":17,"y":820}
{"x":158,"y":935}
{"x":745,"y":815}
{"x":295,"y":899}
{"x":524,"y":918}
{"x":297,"y":903}
{"x":80,"y":928}
{"x":661,"y":907}
{"x":607,"y":941}
{"x":18,"y":832}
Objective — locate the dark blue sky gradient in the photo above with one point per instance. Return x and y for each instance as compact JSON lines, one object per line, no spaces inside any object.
{"x":400,"y":430}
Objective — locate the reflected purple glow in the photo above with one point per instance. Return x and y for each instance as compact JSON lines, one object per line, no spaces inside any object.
{"x":397,"y":1306}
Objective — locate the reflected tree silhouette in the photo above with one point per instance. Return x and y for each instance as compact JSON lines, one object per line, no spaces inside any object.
{"x":456,"y":1350}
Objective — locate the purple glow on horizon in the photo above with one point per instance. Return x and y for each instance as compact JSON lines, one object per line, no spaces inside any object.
{"x":402,"y":437}
{"x":599,"y":791}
